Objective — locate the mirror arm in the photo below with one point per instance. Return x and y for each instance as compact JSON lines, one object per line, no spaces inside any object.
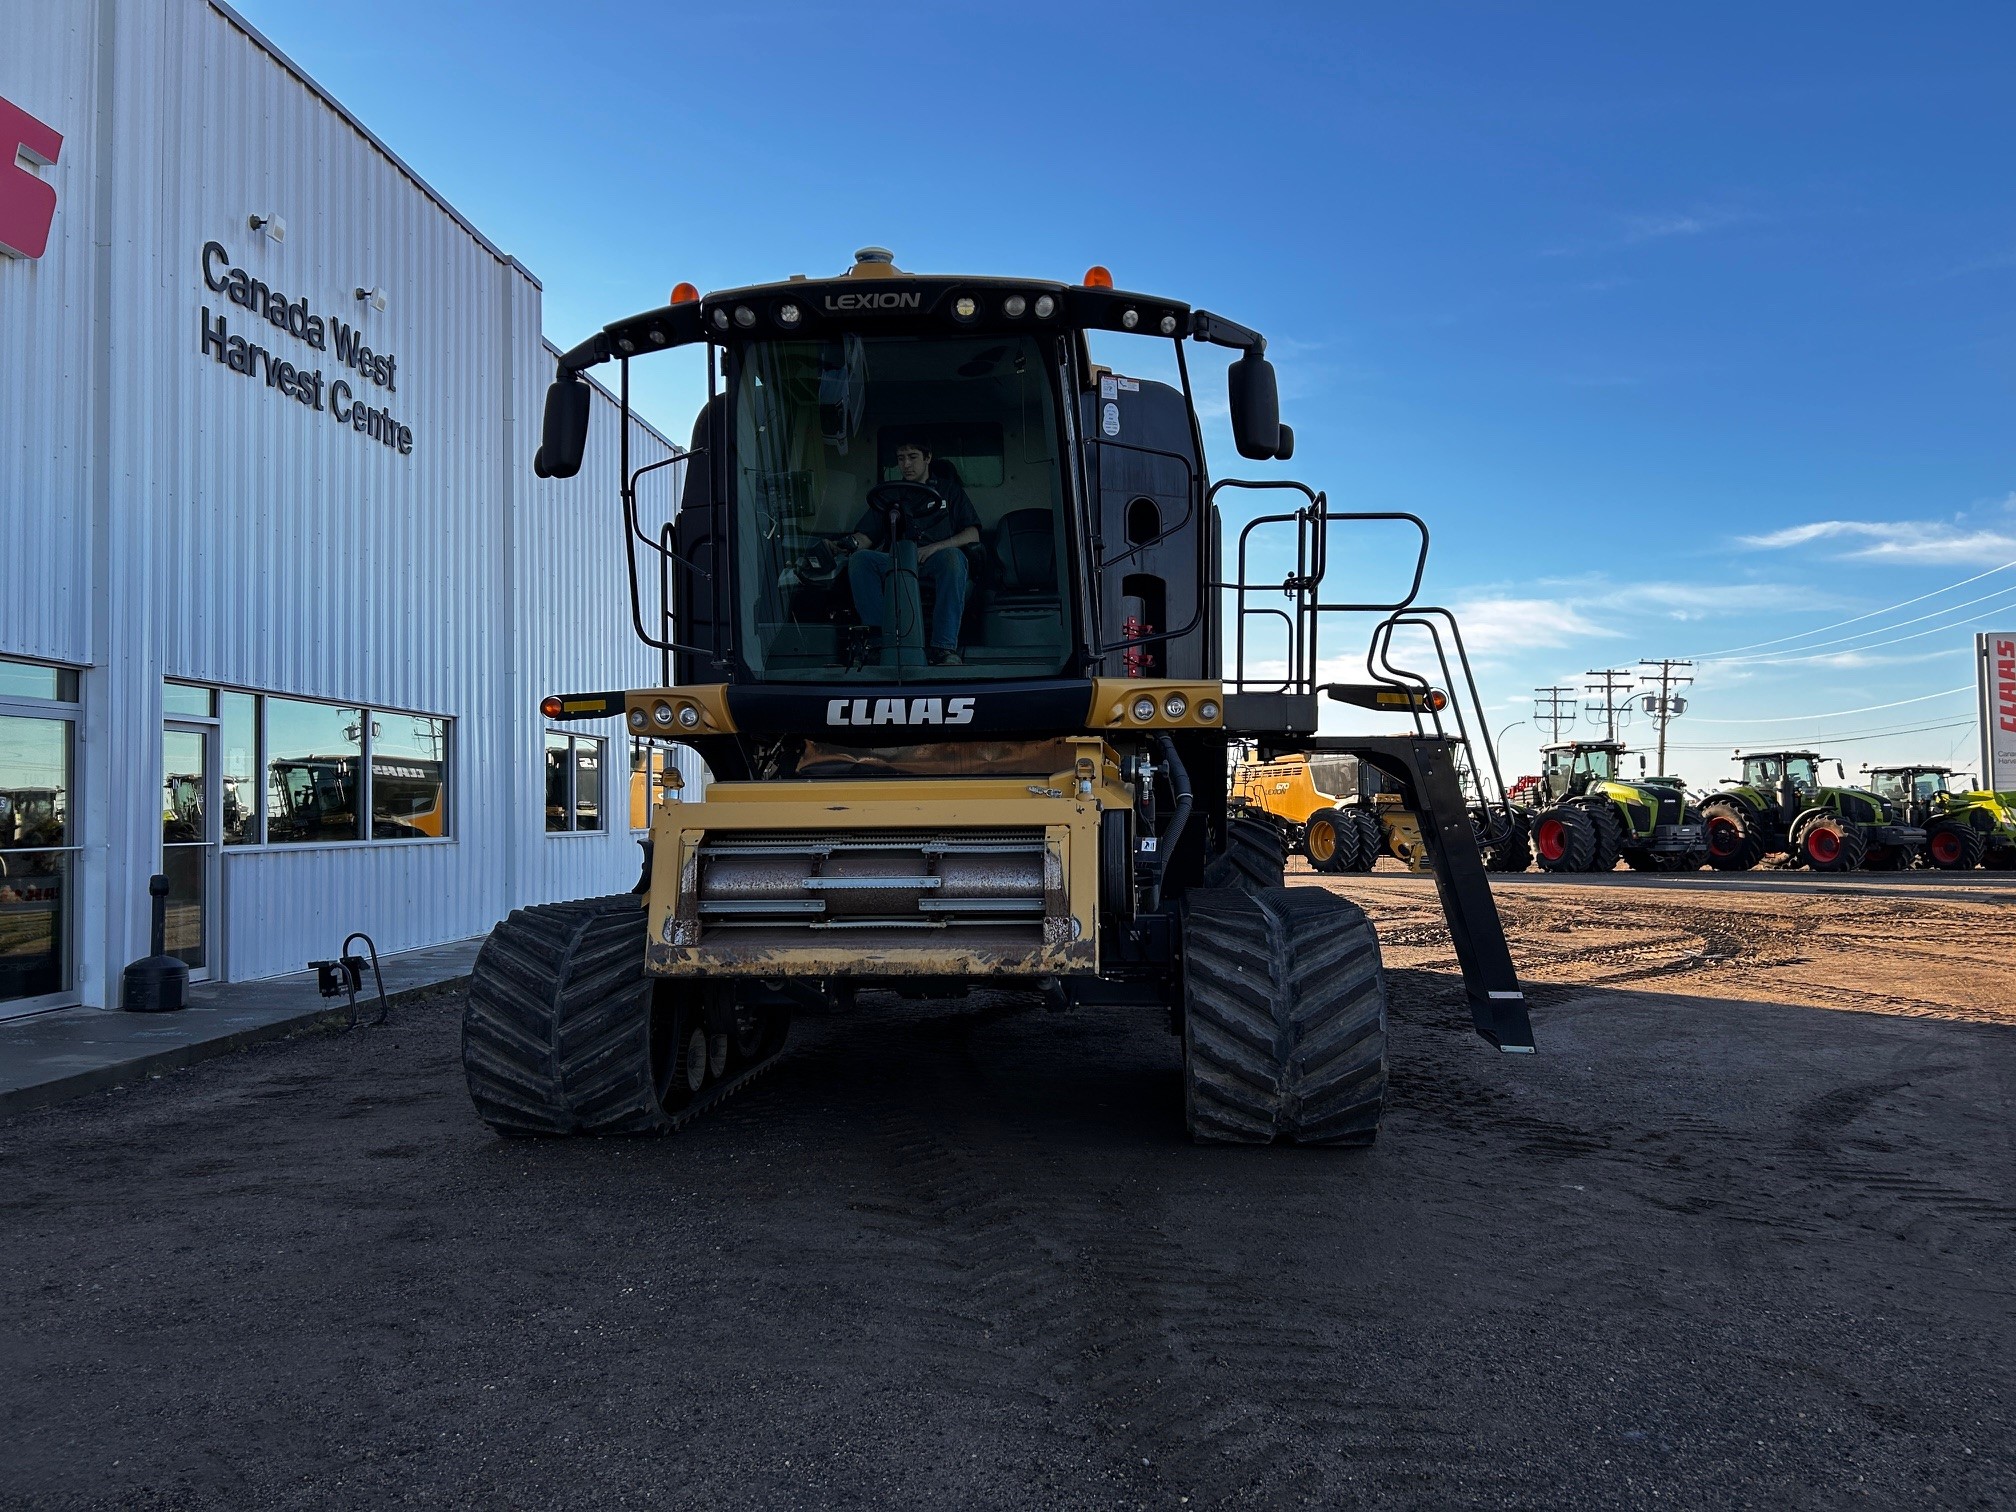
{"x":590,"y":353}
{"x":1218,"y":331}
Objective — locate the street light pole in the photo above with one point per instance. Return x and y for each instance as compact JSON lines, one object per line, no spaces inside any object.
{"x":1498,"y":745}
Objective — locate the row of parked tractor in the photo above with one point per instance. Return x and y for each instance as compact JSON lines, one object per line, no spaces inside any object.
{"x":1581,"y":814}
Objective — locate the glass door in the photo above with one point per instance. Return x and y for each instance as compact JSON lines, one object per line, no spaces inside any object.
{"x":190,"y":838}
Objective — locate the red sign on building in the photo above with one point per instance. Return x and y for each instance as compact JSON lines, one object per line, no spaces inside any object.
{"x":27,"y":200}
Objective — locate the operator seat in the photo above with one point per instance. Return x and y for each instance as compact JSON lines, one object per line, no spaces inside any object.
{"x":1024,"y":606}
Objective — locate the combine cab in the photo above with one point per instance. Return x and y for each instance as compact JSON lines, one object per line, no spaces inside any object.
{"x":941,"y":606}
{"x":1590,"y":816}
{"x":1779,"y":807}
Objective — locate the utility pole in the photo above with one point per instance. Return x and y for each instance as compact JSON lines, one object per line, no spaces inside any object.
{"x":1666,"y":705}
{"x":1614,"y":681}
{"x":1554,"y":707}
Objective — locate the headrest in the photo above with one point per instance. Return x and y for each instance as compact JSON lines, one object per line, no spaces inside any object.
{"x":1026,"y":543}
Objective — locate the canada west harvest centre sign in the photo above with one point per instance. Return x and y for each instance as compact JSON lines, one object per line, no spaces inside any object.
{"x":351,"y":396}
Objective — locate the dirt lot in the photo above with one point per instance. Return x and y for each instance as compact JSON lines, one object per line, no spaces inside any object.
{"x":1742,"y":1234}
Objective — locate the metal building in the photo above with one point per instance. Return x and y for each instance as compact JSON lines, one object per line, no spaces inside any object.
{"x":279,"y":593}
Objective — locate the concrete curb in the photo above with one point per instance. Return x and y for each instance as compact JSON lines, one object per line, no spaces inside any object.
{"x":142,"y":1065}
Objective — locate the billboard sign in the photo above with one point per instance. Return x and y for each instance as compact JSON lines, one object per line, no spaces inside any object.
{"x":1996,"y":656}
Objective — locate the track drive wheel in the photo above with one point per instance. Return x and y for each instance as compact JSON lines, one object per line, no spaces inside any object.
{"x":1330,"y":841}
{"x":1564,"y":839}
{"x":1955,"y":847}
{"x":1828,"y":843}
{"x":1284,"y":1021}
{"x":1733,"y":842}
{"x":1254,"y":857}
{"x":565,"y":1033}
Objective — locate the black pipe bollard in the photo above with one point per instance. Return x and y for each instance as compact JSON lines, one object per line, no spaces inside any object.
{"x":158,"y":983}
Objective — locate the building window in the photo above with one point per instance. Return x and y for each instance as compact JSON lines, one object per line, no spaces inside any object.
{"x":186,"y":701}
{"x":238,"y":739}
{"x":654,"y":779}
{"x":314,"y":767}
{"x":409,"y":777}
{"x":37,"y":840}
{"x":573,"y":783}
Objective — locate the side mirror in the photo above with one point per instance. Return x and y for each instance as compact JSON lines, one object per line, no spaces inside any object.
{"x":1256,"y":407}
{"x":564,"y":437}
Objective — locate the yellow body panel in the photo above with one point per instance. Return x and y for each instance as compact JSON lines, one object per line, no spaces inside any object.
{"x":1282,"y":787}
{"x":1065,"y":807}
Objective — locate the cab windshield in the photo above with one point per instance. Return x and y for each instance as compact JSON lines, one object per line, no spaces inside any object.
{"x":900,"y":510}
{"x":1889,"y":786}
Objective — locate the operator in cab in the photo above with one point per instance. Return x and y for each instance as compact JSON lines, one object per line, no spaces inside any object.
{"x":940,"y":523}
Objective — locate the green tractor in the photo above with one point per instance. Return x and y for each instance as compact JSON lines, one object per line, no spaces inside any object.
{"x":1964,"y":828}
{"x":1779,"y":807}
{"x":1589,"y":816}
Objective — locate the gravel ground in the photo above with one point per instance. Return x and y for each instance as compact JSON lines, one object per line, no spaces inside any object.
{"x":1697,"y":1252}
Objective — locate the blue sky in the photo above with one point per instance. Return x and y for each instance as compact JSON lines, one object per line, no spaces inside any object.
{"x":1685,"y":330}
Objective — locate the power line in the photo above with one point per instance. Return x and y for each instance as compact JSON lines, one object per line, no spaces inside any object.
{"x":1857,"y":619}
{"x":1614,"y":680}
{"x":1838,"y":713}
{"x":1840,"y":737}
{"x":1799,"y":653}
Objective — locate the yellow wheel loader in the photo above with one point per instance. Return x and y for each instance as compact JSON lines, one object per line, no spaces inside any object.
{"x":941,"y":606}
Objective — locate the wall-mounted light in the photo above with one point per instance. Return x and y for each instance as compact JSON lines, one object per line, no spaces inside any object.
{"x":373,"y":297}
{"x":272,"y":225}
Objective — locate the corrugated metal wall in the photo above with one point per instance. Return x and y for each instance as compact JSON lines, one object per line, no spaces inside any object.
{"x":246,"y":539}
{"x":48,"y":67}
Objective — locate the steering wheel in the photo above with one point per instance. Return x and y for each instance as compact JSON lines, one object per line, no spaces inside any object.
{"x":910,"y":499}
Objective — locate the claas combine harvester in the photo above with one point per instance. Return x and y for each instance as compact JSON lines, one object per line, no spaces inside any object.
{"x":941,"y":606}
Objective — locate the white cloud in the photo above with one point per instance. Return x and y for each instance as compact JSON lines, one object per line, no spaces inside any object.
{"x":1502,"y":624}
{"x":1637,"y":230}
{"x":1901,"y":541}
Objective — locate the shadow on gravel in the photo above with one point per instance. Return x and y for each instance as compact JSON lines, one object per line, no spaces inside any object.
{"x":959,"y":1254}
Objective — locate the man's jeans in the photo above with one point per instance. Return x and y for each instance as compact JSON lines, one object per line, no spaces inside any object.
{"x":943,"y":575}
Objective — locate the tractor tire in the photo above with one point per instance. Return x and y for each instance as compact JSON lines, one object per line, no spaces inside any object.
{"x":1955,"y":847}
{"x":1828,"y":843}
{"x":564,"y":1033}
{"x":1733,"y":842}
{"x":1371,"y":838}
{"x":1284,"y":1018}
{"x":1254,"y":858}
{"x":1330,"y":841}
{"x":1890,"y":858}
{"x":1512,"y":854}
{"x":1564,"y":839}
{"x":1609,"y":837}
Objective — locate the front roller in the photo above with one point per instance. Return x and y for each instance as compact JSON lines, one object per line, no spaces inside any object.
{"x":564,"y":1033}
{"x":1284,"y":1018}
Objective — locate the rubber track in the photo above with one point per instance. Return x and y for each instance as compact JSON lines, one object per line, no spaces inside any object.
{"x":1254,"y":856}
{"x":1285,"y":1018}
{"x":556,"y":1034}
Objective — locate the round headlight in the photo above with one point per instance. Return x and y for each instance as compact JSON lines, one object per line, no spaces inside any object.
{"x":744,"y":316}
{"x":720,"y":320}
{"x":1130,"y":318}
{"x":1208,"y":710}
{"x":788,"y":314}
{"x":689,"y":717}
{"x":1175,"y":706}
{"x":1144,"y":707}
{"x":661,"y":712}
{"x":1168,"y":325}
{"x":965,"y":307}
{"x":638,"y":720}
{"x":1013,"y":306}
{"x":1045,"y":307}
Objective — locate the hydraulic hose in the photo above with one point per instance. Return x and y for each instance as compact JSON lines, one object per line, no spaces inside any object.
{"x":1165,"y":843}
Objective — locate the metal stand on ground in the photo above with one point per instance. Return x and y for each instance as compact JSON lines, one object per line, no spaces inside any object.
{"x":345,"y":974}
